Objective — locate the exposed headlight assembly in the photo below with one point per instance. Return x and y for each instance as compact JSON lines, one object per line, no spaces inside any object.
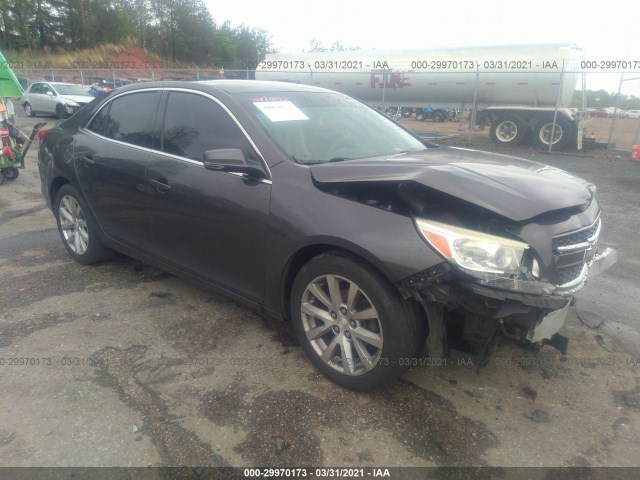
{"x":70,"y":103}
{"x":473,"y":251}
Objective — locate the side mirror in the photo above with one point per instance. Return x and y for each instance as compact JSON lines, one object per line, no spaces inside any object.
{"x":230,"y":160}
{"x":50,"y":93}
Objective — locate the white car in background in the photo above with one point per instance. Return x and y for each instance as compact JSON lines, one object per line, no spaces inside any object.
{"x":54,"y":98}
{"x":632,"y":114}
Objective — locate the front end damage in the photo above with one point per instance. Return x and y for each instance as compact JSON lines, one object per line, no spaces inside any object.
{"x":467,"y":316}
{"x":516,"y":239}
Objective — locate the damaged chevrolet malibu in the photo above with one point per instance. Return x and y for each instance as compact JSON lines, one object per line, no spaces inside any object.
{"x":315,"y":208}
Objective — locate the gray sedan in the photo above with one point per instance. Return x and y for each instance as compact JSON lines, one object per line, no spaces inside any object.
{"x":54,"y":98}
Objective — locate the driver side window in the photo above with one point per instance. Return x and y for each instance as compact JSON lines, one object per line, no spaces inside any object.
{"x":194,"y":124}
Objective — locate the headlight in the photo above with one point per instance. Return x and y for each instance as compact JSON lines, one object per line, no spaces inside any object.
{"x":474,"y":251}
{"x":70,"y":103}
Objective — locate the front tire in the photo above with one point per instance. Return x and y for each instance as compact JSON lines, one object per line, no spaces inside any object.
{"x":508,"y":131}
{"x":11,"y":174}
{"x":77,"y":227}
{"x":28,"y":110}
{"x":352,"y":323}
{"x":61,"y":112}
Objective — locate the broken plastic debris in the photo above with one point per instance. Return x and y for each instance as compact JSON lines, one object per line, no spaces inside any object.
{"x":540,"y":416}
{"x":600,"y":341}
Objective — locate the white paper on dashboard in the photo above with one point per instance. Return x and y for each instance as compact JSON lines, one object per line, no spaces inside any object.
{"x":281,"y":111}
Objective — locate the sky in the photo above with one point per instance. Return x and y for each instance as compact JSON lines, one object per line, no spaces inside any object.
{"x":607,"y":31}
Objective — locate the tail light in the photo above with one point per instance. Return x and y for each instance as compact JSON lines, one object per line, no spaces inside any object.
{"x":41,"y":134}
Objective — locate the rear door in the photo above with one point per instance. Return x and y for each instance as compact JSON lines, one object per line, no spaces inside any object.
{"x":111,"y":155}
{"x":210,"y":224}
{"x":49,"y":100}
{"x":35,"y":97}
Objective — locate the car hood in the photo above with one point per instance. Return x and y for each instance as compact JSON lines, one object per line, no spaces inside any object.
{"x":515,"y":188}
{"x":79,"y":98}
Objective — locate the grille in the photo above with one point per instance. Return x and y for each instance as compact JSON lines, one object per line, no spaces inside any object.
{"x":582,"y":240}
{"x":576,"y":237}
{"x":567,"y":274}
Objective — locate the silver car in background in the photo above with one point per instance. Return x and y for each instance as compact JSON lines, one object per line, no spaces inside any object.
{"x":54,"y":98}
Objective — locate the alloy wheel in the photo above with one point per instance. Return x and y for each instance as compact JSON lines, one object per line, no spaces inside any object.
{"x":341,"y":324}
{"x":73,"y":225}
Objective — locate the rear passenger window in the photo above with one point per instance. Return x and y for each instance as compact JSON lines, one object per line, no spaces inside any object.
{"x":194,"y":124}
{"x":131,"y":118}
{"x":99,"y":122}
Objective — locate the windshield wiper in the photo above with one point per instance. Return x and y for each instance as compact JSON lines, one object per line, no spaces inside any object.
{"x":339,"y":159}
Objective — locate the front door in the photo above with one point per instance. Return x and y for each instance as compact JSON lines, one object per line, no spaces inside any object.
{"x":210,"y":224}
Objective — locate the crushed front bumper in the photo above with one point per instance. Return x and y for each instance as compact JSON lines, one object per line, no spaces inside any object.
{"x":552,"y":300}
{"x":526,"y":309}
{"x":518,"y":289}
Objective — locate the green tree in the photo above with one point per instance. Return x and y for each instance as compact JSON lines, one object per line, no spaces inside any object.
{"x":177,"y":30}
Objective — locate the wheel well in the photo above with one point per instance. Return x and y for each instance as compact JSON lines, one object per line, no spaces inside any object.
{"x":502,"y":116}
{"x":302,"y":256}
{"x":296,"y":262}
{"x":56,"y":185}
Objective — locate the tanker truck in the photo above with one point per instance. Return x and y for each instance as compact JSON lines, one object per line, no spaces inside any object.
{"x":514,"y":88}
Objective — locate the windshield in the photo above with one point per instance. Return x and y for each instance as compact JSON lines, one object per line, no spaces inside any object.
{"x":318,"y":127}
{"x":70,"y":90}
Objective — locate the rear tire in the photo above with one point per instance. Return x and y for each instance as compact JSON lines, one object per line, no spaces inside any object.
{"x":11,"y":174}
{"x":1,"y":177}
{"x":77,"y":227}
{"x":542,"y":134}
{"x":351,"y":322}
{"x":508,"y":131}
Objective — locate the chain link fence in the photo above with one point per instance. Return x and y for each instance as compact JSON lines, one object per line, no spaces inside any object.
{"x":116,"y":77}
{"x":473,"y":107}
{"x":624,"y":130}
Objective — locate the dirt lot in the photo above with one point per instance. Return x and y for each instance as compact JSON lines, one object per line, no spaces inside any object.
{"x":120,"y":364}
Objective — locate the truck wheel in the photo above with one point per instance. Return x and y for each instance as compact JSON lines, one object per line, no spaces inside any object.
{"x":560,"y":135}
{"x":11,"y":173}
{"x":439,"y":116}
{"x":352,"y":323}
{"x":508,"y":131}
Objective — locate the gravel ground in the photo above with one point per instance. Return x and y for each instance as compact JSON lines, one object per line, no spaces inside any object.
{"x":128,"y":366}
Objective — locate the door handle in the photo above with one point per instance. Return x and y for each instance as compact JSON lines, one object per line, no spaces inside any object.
{"x":161,"y":185}
{"x":88,"y":160}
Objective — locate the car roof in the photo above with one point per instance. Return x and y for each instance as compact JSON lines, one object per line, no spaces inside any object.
{"x":228,"y":86}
